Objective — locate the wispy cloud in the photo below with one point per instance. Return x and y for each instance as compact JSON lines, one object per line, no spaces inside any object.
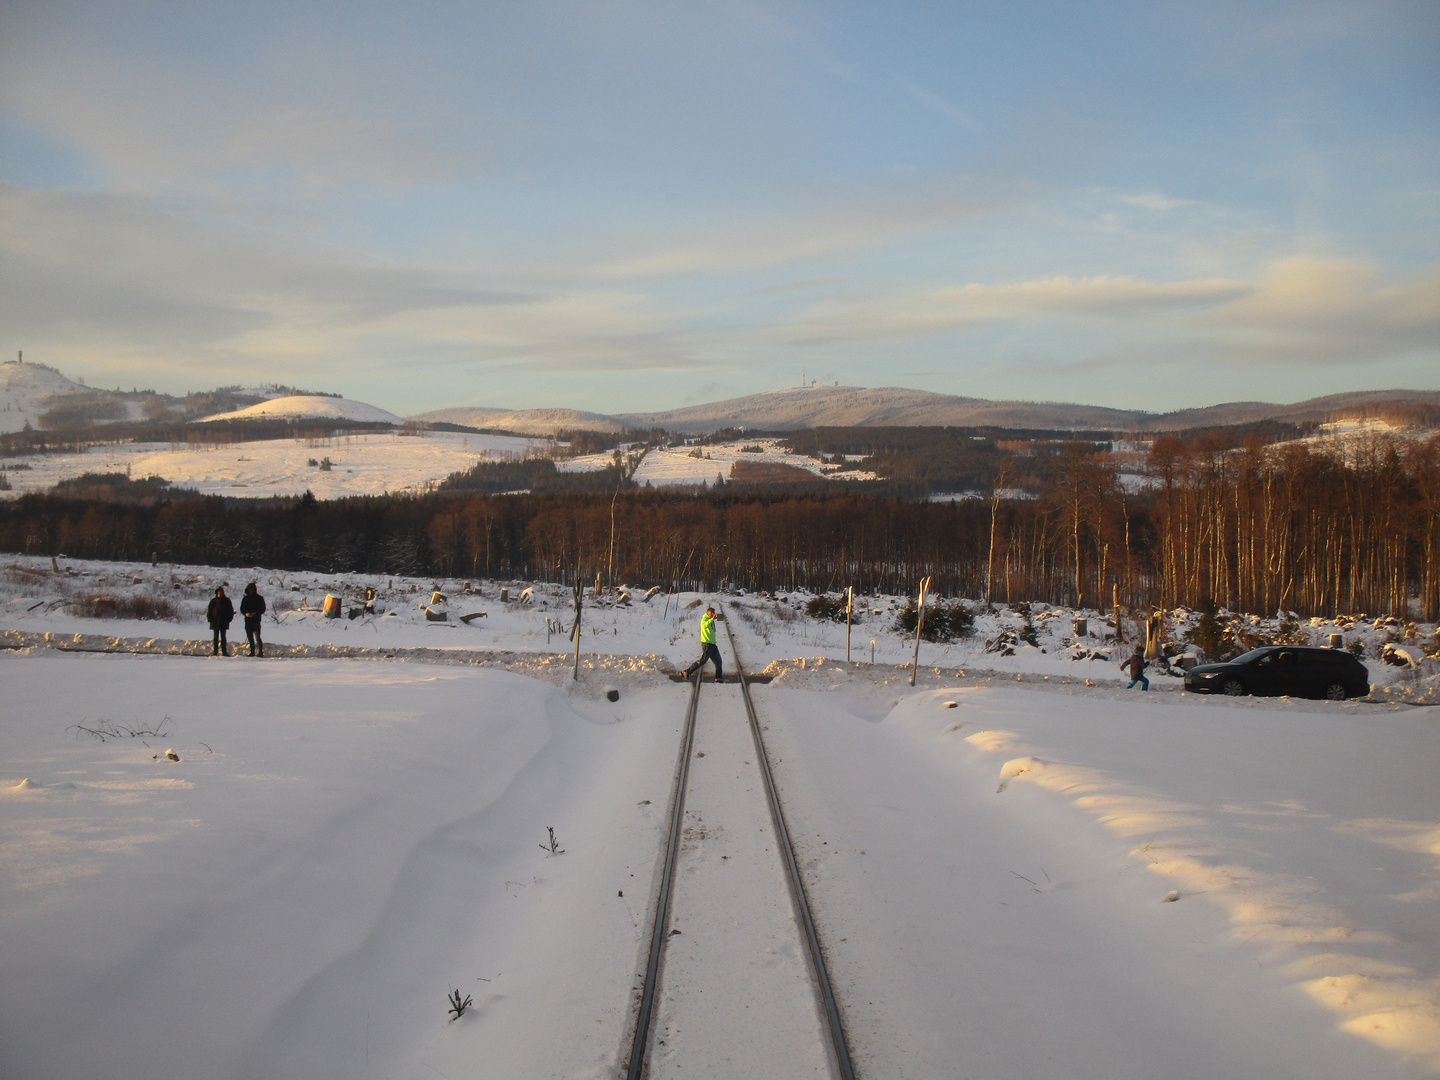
{"x":945,"y":310}
{"x":935,"y":102}
{"x":773,"y":240}
{"x":1300,"y":310}
{"x":1156,"y":201}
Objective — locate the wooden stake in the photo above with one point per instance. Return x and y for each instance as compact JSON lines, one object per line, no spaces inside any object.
{"x":849,"y":603}
{"x":919,"y":625}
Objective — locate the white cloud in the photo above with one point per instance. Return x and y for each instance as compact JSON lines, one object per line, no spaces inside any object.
{"x":1335,"y":310}
{"x":113,"y":284}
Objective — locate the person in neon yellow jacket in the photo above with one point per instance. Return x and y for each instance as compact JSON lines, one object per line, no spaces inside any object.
{"x":708,"y":650}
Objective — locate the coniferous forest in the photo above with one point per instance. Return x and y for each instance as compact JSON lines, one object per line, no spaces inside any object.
{"x":1311,"y":529}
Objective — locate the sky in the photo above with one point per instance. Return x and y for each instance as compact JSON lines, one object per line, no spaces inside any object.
{"x":627,"y":206}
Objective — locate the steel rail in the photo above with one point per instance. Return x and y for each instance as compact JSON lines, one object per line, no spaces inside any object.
{"x":839,"y":1046}
{"x":662,"y":897}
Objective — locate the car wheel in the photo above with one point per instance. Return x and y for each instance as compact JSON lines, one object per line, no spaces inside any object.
{"x":1335,"y":692}
{"x":1234,"y":688}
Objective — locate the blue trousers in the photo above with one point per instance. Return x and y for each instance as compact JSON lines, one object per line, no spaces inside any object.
{"x":1144,"y":683}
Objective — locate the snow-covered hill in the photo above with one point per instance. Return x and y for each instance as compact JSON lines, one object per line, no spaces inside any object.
{"x":855,"y":406}
{"x":307,"y":406}
{"x":28,"y":391}
{"x":523,"y":421}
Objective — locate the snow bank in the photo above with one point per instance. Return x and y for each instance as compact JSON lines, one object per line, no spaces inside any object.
{"x":1252,"y":816}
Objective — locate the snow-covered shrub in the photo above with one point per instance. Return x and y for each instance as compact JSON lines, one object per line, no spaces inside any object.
{"x":831,"y":608}
{"x":942,"y":623}
{"x":132,"y":606}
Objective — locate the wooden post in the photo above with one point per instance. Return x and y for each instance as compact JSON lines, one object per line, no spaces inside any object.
{"x":610,"y":567}
{"x":919,"y":625}
{"x":575,"y":629}
{"x":849,"y":603}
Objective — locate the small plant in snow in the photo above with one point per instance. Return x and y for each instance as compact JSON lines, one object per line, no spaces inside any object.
{"x":553,"y":847}
{"x":458,"y":1005}
{"x":108,"y":729}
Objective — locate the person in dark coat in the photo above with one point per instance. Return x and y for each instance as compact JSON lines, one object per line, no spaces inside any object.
{"x":1136,"y":666}
{"x":220,"y":614}
{"x":252,"y":606}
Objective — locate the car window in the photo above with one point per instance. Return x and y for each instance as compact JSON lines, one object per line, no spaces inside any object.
{"x":1252,"y":655}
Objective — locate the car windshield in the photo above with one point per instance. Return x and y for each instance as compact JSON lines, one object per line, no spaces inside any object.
{"x":1253,"y":654}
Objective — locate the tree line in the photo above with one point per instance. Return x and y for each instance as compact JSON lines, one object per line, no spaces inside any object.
{"x":1305,"y":528}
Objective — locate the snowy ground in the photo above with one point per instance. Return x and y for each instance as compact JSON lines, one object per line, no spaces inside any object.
{"x":361,"y":464}
{"x":343,"y":841}
{"x":36,"y":599}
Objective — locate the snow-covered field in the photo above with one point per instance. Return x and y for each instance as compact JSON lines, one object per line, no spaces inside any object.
{"x":1165,"y":885}
{"x":369,"y":464}
{"x":360,"y":464}
{"x":674,"y":466}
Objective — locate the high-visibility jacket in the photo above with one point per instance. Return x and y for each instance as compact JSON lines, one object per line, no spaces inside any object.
{"x":707,"y":628}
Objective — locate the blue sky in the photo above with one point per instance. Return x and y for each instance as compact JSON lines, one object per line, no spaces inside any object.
{"x":627,"y":206}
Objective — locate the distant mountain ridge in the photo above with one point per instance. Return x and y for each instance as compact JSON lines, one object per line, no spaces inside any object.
{"x":45,"y":399}
{"x":851,"y":406}
{"x":523,"y":421}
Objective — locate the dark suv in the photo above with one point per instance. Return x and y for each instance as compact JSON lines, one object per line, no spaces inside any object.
{"x":1284,"y":669}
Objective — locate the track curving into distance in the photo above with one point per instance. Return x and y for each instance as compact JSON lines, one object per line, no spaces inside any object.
{"x":839,"y":1048}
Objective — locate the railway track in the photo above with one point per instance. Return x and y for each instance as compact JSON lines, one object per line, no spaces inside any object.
{"x":644,"y":1036}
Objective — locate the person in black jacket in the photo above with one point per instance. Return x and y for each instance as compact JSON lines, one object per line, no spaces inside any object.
{"x":220,"y":614}
{"x":252,"y":606}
